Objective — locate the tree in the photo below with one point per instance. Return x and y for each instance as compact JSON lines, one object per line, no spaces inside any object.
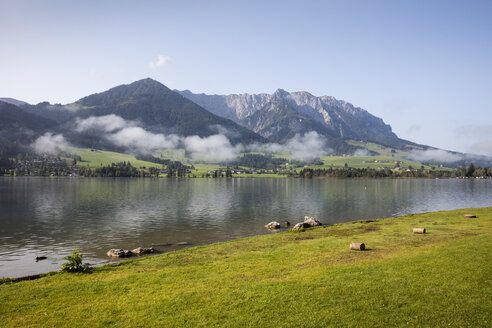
{"x":470,"y":170}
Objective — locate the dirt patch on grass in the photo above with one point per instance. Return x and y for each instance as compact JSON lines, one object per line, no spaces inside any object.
{"x":303,"y":237}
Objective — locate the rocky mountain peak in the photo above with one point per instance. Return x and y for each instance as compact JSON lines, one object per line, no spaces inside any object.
{"x":280,"y":93}
{"x":326,"y":114}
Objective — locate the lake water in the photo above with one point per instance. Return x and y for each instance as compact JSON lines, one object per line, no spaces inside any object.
{"x":52,"y":216}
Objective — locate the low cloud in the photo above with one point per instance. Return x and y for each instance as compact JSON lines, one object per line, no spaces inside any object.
{"x":107,"y":123}
{"x":139,"y":140}
{"x":49,"y":144}
{"x":362,"y":152}
{"x":215,"y":148}
{"x":302,"y":147}
{"x":307,"y":146}
{"x":127,"y":134}
{"x":224,"y":131}
{"x":435,"y":155}
{"x":161,"y":61}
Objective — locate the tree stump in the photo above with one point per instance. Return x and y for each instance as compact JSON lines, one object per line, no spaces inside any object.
{"x":357,"y":246}
{"x":418,"y":230}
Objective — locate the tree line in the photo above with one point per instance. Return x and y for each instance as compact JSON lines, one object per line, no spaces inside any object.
{"x":470,"y":171}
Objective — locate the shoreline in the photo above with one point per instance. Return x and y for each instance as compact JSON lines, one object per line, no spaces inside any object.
{"x":122,"y":261}
{"x":283,"y":278}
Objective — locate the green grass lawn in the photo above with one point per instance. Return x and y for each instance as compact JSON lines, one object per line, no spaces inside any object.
{"x":368,"y":161}
{"x":100,"y":157}
{"x":104,"y":158}
{"x":287,"y":279}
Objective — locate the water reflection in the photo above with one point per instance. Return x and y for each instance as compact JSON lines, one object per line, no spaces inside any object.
{"x":52,"y":216}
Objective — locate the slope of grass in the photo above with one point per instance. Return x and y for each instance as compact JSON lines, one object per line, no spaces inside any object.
{"x":100,"y":157}
{"x":104,"y":158}
{"x":368,"y":161}
{"x":304,"y":279}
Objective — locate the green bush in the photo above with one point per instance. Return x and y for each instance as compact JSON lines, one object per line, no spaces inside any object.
{"x":74,"y":263}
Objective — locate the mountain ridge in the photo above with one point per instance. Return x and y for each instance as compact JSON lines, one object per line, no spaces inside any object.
{"x":325,"y":114}
{"x":160,"y":109}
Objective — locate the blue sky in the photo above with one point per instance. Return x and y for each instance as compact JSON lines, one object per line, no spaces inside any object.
{"x":422,"y":66}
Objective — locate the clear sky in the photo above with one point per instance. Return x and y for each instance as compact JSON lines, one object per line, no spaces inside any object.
{"x":422,"y":66}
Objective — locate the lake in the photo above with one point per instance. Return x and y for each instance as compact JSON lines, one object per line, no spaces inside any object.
{"x":42,"y":216}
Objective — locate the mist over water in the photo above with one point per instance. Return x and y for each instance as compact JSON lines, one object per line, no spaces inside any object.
{"x":53,"y":216}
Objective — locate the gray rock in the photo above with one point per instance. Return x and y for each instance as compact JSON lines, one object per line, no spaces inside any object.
{"x":118,"y":252}
{"x":273,"y":225}
{"x":143,"y":250}
{"x":312,"y":221}
{"x":301,"y":225}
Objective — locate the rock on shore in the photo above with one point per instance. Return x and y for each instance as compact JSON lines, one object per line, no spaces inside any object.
{"x":309,"y":222}
{"x":143,"y":250}
{"x":118,"y":252}
{"x":273,"y":225}
{"x":312,"y":221}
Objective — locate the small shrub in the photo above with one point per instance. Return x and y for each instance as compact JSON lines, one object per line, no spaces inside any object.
{"x":5,"y":280}
{"x":74,"y":263}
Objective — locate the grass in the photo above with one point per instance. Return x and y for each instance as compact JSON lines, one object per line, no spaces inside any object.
{"x":288,"y":279}
{"x":368,"y":161}
{"x":97,"y":158}
{"x":104,"y":158}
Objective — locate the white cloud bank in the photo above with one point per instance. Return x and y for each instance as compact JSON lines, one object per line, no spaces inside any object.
{"x":161,"y":61}
{"x":49,"y":144}
{"x":435,"y":155}
{"x":137,"y":139}
{"x":107,"y":123}
{"x":215,"y":148}
{"x":127,"y":134}
{"x":302,"y":147}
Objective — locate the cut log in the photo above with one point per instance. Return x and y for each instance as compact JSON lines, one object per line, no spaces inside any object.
{"x":470,"y":216}
{"x":418,"y":230}
{"x":357,"y":246}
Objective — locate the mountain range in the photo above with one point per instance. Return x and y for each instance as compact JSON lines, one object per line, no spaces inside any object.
{"x":156,"y":109}
{"x":281,"y":115}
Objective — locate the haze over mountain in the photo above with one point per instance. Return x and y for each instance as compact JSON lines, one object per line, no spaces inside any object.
{"x":19,"y":128}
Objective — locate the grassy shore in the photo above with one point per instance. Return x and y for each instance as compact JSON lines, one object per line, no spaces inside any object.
{"x":287,"y":279}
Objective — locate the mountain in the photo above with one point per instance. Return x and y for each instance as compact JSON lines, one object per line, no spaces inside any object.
{"x":19,"y":128}
{"x":54,"y":112}
{"x":160,"y":109}
{"x":280,"y":115}
{"x":244,"y":119}
{"x":234,"y":107}
{"x":13,"y":101}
